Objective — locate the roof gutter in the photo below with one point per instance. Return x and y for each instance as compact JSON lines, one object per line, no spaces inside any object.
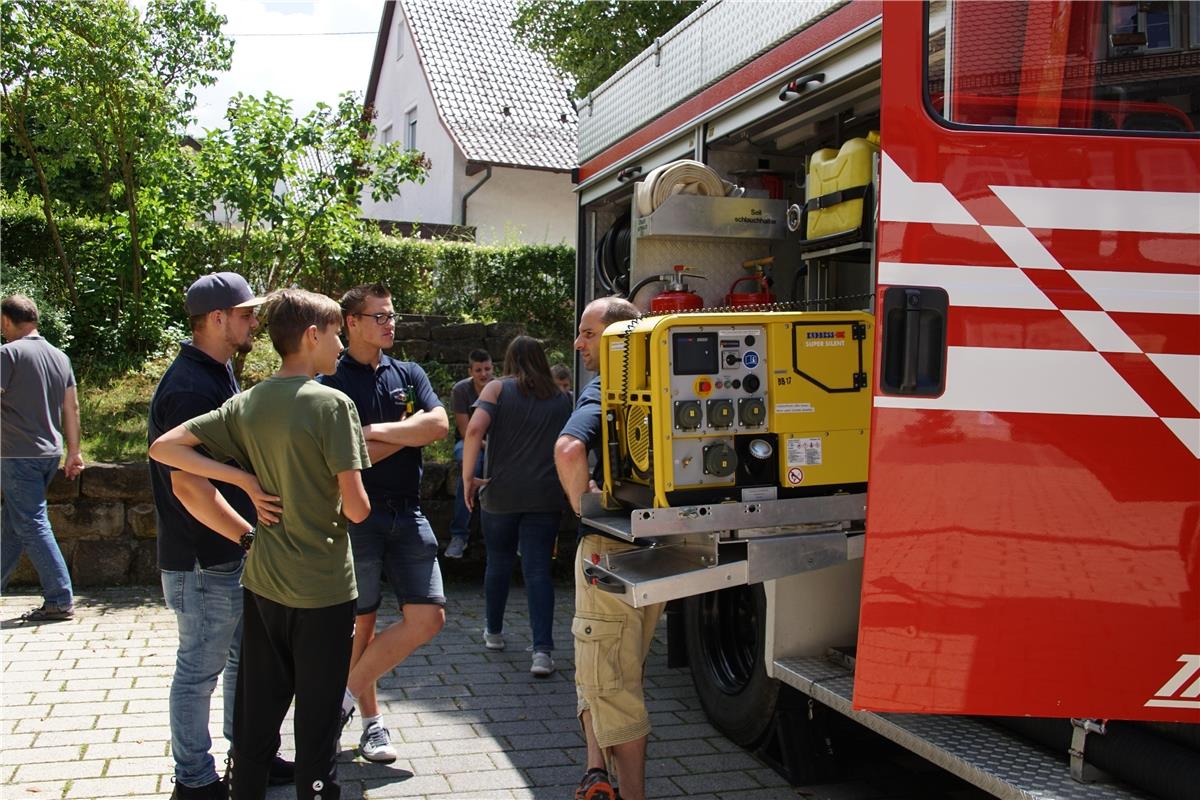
{"x":487,"y":176}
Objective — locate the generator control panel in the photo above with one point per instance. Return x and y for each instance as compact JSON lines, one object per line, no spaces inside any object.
{"x":718,"y":380}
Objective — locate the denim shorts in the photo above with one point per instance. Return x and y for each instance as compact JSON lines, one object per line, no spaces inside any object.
{"x":396,"y":541}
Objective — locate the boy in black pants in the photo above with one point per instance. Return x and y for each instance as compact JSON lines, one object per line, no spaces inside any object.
{"x":305,"y":446}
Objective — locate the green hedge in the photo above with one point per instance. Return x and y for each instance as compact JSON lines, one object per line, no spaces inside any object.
{"x":528,"y":284}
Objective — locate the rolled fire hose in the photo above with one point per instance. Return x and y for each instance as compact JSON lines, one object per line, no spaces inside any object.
{"x":678,"y":177}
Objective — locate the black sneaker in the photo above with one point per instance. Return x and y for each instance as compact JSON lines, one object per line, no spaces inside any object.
{"x":49,"y":612}
{"x":217,"y":790}
{"x":346,"y":717}
{"x":282,"y":772}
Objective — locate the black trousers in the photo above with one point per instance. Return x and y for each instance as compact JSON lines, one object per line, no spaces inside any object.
{"x":290,"y":652}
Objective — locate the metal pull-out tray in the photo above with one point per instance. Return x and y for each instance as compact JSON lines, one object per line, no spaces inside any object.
{"x":753,"y":518}
{"x":695,"y":549}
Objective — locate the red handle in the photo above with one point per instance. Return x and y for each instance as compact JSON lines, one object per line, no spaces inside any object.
{"x":758,"y":279}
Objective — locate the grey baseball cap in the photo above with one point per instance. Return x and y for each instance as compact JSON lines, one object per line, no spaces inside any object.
{"x":219,"y":290}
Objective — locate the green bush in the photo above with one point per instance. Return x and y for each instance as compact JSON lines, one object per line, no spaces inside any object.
{"x":54,"y":321}
{"x":527,"y":284}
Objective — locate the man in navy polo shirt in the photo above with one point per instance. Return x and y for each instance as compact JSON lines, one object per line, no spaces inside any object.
{"x":400,"y":414}
{"x":201,"y":569}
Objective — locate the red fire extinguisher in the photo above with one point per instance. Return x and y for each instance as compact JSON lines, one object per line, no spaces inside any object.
{"x":756,"y":290}
{"x":677,"y":296}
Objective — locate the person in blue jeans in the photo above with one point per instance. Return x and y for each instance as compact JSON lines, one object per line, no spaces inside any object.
{"x":462,"y":403}
{"x":39,"y":408}
{"x":200,"y":569}
{"x":521,"y":415}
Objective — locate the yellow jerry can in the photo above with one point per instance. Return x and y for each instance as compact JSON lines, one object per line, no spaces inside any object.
{"x":837,"y":183}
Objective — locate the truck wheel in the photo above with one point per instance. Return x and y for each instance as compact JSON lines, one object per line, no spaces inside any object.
{"x":725,"y":632}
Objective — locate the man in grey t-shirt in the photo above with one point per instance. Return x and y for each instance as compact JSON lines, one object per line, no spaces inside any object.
{"x":38,"y":407}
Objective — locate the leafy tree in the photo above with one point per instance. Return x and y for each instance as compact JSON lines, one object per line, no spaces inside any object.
{"x":94,"y":87}
{"x":300,"y":179}
{"x":590,"y":40}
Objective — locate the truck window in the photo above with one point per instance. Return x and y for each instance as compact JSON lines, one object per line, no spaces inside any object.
{"x":1066,"y":64}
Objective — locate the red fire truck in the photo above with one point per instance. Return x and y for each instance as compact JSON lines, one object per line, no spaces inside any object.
{"x":1025,"y":235}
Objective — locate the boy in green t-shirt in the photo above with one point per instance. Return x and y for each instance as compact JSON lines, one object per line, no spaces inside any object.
{"x":304,"y":444}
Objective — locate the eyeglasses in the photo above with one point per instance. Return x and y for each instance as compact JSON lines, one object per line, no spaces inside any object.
{"x":382,"y":318}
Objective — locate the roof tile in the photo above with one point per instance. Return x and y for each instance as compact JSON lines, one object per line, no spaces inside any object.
{"x":503,"y":103}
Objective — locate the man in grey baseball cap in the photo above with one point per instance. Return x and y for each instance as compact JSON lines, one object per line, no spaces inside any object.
{"x":201,"y":569}
{"x":218,"y":291}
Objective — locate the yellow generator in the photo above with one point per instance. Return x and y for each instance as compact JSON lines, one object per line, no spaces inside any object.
{"x":700,"y":408}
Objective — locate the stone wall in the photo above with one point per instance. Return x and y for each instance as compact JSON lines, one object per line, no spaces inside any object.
{"x":429,"y":338}
{"x":105,"y":523}
{"x":105,"y":520}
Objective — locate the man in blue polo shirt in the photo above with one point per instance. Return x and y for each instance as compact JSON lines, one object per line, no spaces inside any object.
{"x":201,"y":569}
{"x":400,"y":414}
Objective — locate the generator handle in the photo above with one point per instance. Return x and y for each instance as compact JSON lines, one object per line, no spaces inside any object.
{"x":602,"y":580}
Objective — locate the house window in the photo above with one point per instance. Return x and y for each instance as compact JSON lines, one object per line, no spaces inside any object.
{"x":1141,"y":27}
{"x":410,"y":129}
{"x":401,"y":35}
{"x":385,"y":134}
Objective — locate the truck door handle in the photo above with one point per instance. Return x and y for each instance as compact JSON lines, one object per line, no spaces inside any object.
{"x":912,"y":338}
{"x":913,"y":327}
{"x":800,"y":85}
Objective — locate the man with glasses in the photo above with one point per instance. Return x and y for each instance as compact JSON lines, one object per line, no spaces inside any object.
{"x":400,"y":414}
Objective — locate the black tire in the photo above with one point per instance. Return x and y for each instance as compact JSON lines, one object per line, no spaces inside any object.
{"x":725,"y":633}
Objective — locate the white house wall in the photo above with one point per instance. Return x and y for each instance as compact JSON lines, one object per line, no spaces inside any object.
{"x":523,"y":205}
{"x":402,"y":86}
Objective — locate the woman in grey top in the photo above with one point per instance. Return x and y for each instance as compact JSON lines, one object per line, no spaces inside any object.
{"x":521,"y":414}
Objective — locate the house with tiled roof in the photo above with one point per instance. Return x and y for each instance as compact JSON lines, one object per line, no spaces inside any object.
{"x":493,"y":118}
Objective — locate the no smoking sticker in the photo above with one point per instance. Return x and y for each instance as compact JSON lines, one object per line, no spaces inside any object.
{"x":795,"y":475}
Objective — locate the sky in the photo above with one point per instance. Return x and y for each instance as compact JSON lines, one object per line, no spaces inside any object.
{"x":306,"y":69}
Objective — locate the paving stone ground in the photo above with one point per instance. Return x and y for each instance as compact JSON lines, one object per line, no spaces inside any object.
{"x":84,"y":712}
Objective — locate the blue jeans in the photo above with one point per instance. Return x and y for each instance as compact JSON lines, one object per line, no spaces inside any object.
{"x":535,"y":532}
{"x":208,"y":610}
{"x":26,"y":527}
{"x":460,"y":524}
{"x":395,"y":540}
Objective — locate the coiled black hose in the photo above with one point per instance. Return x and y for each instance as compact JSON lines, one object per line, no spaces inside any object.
{"x":612,"y":256}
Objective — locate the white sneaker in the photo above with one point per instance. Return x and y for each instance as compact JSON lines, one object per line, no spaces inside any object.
{"x":376,"y":745}
{"x":543,"y":664}
{"x":493,"y":641}
{"x":457,"y":546}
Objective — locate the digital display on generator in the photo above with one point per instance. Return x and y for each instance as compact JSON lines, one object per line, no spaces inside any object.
{"x":694,"y":353}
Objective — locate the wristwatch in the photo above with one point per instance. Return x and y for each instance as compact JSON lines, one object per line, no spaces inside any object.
{"x":247,"y":540}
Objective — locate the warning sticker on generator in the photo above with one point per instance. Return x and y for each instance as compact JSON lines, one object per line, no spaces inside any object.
{"x":804,"y":452}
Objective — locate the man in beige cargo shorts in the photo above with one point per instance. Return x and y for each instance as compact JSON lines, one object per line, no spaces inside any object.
{"x":612,"y":639}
